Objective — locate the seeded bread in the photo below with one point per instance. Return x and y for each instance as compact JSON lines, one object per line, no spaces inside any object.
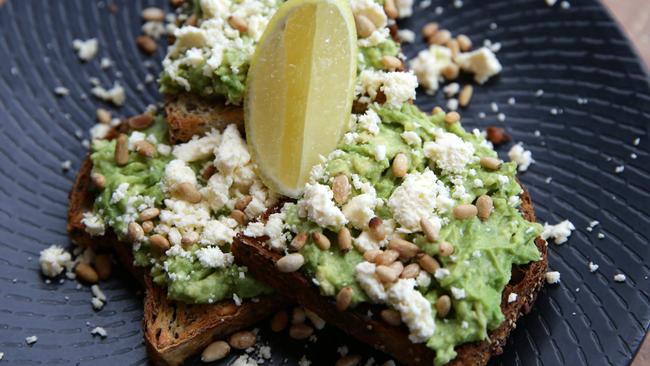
{"x":173,"y":331}
{"x":526,"y":282}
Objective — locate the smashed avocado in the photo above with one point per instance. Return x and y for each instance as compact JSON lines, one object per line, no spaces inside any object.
{"x":484,"y":252}
{"x":185,"y":278}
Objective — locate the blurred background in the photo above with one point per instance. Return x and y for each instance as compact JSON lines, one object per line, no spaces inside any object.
{"x":634,"y":16}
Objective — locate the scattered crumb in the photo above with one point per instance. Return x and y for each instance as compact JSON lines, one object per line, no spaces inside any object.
{"x":548,"y":180}
{"x":105,"y":63}
{"x":2,"y":354}
{"x":458,"y":4}
{"x":619,"y":169}
{"x":66,"y":165}
{"x":31,"y":340}
{"x":406,"y":35}
{"x":494,"y":107}
{"x":97,"y":303}
{"x":593,"y":267}
{"x":633,"y":156}
{"x":550,"y":2}
{"x":86,"y":50}
{"x":304,"y":361}
{"x":552,"y":277}
{"x":512,"y":297}
{"x":113,"y":95}
{"x":601,"y":236}
{"x":512,"y":101}
{"x":565,"y":5}
{"x":636,"y":141}
{"x":501,"y":117}
{"x":343,"y":350}
{"x":539,"y":93}
{"x":522,"y":157}
{"x":61,"y":91}
{"x":560,"y":232}
{"x":99,"y":331}
{"x":452,"y":104}
{"x":620,"y":277}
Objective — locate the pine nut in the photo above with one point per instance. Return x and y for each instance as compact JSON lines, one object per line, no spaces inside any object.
{"x":437,"y":110}
{"x":243,"y":202}
{"x":497,"y":135}
{"x":400,"y":165}
{"x":430,"y":231}
{"x":465,"y":211}
{"x":215,"y":351}
{"x":411,"y":271}
{"x":238,"y":23}
{"x":147,"y":44}
{"x":315,"y":320}
{"x":145,"y":149}
{"x":464,"y":42}
{"x":387,"y":257}
{"x":386,"y":274}
{"x":103,"y":116}
{"x":159,"y":243}
{"x":242,"y":339}
{"x":290,"y":262}
{"x":390,"y":9}
{"x":149,"y":214}
{"x":299,"y":316}
{"x":391,"y":317}
{"x":147,"y":226}
{"x":406,"y":249}
{"x":300,"y":331}
{"x":226,"y":309}
{"x":279,"y":321}
{"x":344,"y":298}
{"x":490,"y":163}
{"x":298,"y":241}
{"x":450,"y":72}
{"x":465,"y":95}
{"x":153,"y":14}
{"x":365,"y":27}
{"x":193,"y":20}
{"x":441,"y":37}
{"x":371,"y":255}
{"x":140,"y":122}
{"x":99,"y":180}
{"x":187,"y":192}
{"x":452,"y":117}
{"x":427,"y":263}
{"x":344,"y":239}
{"x":429,"y":29}
{"x":391,"y":63}
{"x":452,"y":44}
{"x":176,"y":3}
{"x":121,"y":150}
{"x":445,"y":249}
{"x":103,"y":266}
{"x":190,"y":238}
{"x":376,"y":228}
{"x":443,"y":305}
{"x":208,"y":172}
{"x":239,"y":216}
{"x":135,"y":232}
{"x":86,"y":273}
{"x":321,"y":240}
{"x":341,"y":188}
{"x":398,"y":267}
{"x":348,"y":360}
{"x":484,"y":206}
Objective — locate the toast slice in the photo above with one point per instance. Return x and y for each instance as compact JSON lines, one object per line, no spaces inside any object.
{"x":173,"y":331}
{"x":526,"y":282}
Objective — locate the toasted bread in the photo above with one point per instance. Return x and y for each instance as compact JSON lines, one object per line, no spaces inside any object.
{"x":173,"y":331}
{"x":526,"y":282}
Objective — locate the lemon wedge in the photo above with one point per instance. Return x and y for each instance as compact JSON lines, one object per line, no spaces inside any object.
{"x":299,"y":89}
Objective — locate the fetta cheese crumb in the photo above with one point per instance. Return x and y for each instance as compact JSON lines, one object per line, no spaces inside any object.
{"x":406,"y":35}
{"x":213,"y":257}
{"x":458,"y":293}
{"x":620,"y":277}
{"x":550,"y":2}
{"x":559,"y":232}
{"x":411,"y":138}
{"x":404,"y":8}
{"x":99,"y":331}
{"x":522,"y":157}
{"x":197,"y":148}
{"x":115,"y":94}
{"x":512,"y":297}
{"x":552,"y":277}
{"x":61,"y":91}
{"x":414,"y":309}
{"x":31,"y":340}
{"x":317,"y":204}
{"x":449,"y":152}
{"x":398,"y":87}
{"x":86,"y":50}
{"x":483,"y":63}
{"x":302,"y":362}
{"x":593,"y":267}
{"x":365,"y":275}
{"x":54,"y":260}
{"x":97,"y":303}
{"x":428,"y":66}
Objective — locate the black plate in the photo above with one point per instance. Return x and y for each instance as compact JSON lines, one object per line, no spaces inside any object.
{"x":570,"y":54}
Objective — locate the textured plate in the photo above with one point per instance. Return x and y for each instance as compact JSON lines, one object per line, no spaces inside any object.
{"x":570,"y":54}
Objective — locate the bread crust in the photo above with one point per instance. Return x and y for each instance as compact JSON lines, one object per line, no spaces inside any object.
{"x":394,"y":340}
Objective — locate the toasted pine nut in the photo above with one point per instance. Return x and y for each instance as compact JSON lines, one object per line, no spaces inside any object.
{"x":103,"y":266}
{"x":344,"y":239}
{"x":387,"y":257}
{"x":391,"y":317}
{"x":135,"y":232}
{"x":145,"y":149}
{"x":86,"y":273}
{"x":429,"y":29}
{"x":341,"y":188}
{"x":452,"y":117}
{"x":153,"y":14}
{"x":429,"y":230}
{"x":398,"y":267}
{"x":464,"y":42}
{"x":386,"y":274}
{"x":465,"y":211}
{"x":187,"y":192}
{"x":298,"y":241}
{"x":365,"y":27}
{"x":193,"y":20}
{"x":243,"y":202}
{"x":484,"y":206}
{"x":465,"y":95}
{"x":239,"y":216}
{"x":406,"y":249}
{"x":176,"y":3}
{"x":300,"y":331}
{"x":371,"y":255}
{"x":321,"y":240}
{"x":490,"y":163}
{"x":391,"y":63}
{"x":159,"y":243}
{"x":452,"y":44}
{"x":208,"y":172}
{"x":147,"y":226}
{"x":348,"y":360}
{"x":400,"y":165}
{"x":390,"y":9}
{"x":437,"y":110}
{"x":98,"y":180}
{"x":344,"y":298}
{"x":290,"y":262}
{"x":279,"y":321}
{"x":315,"y":319}
{"x":242,"y":339}
{"x":147,"y":44}
{"x":189,"y":239}
{"x":376,"y":228}
{"x":121,"y":150}
{"x":411,"y":271}
{"x":140,"y":122}
{"x":103,"y":116}
{"x":427,"y":263}
{"x":226,"y":309}
{"x":215,"y":351}
{"x":238,"y":23}
{"x":149,"y":214}
{"x":441,"y":37}
{"x":450,"y":72}
{"x":445,"y":249}
{"x":298,"y":316}
{"x":443,"y":305}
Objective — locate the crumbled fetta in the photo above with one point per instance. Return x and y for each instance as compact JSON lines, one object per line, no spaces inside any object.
{"x":114,"y":94}
{"x":552,"y":277}
{"x":54,"y":260}
{"x":100,"y":331}
{"x":86,"y":50}
{"x":559,"y":232}
{"x":521,"y":156}
{"x":428,"y":66}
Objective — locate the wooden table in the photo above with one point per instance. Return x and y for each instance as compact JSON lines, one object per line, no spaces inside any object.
{"x":634,"y":16}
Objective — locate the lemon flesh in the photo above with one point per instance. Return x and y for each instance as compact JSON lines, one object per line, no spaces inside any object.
{"x":299,"y":90}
